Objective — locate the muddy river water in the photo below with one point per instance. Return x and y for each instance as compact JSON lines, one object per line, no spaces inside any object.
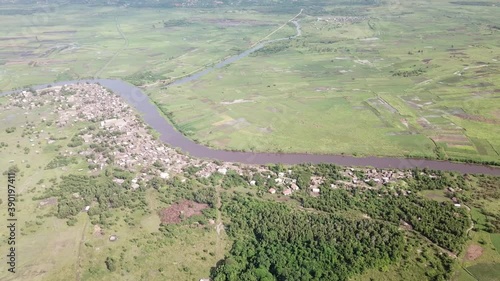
{"x":152,"y":116}
{"x":168,"y":134}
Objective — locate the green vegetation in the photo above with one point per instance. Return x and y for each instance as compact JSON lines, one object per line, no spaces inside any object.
{"x":388,"y":231}
{"x":346,"y":87}
{"x":441,"y":223}
{"x":485,"y":271}
{"x":276,"y":242}
{"x":364,"y":78}
{"x":61,"y":161}
{"x":495,"y":239}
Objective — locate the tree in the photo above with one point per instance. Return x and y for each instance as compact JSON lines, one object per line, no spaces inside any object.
{"x":110,"y":264}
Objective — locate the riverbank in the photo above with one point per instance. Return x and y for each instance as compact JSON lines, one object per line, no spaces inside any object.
{"x":169,"y":135}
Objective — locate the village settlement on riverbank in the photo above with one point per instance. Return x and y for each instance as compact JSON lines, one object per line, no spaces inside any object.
{"x":115,"y":125}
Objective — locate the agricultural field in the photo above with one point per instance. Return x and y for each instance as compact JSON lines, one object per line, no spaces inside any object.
{"x":48,"y":43}
{"x":393,"y":78}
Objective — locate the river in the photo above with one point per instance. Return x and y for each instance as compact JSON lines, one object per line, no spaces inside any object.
{"x":168,"y":134}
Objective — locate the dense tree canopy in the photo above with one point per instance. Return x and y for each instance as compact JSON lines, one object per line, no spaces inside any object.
{"x":275,"y":242}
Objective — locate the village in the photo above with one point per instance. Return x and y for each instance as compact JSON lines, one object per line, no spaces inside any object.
{"x":120,"y":137}
{"x":373,"y":178}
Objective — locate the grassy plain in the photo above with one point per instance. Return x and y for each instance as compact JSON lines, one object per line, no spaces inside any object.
{"x":398,"y":78}
{"x":48,"y":248}
{"x":342,"y":88}
{"x":59,"y":42}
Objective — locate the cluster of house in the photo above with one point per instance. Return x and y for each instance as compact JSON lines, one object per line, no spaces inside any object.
{"x":133,"y":148}
{"x":454,"y":199}
{"x":118,"y":127}
{"x":288,"y":185}
{"x":283,"y":180}
{"x":353,"y":178}
{"x":373,"y":176}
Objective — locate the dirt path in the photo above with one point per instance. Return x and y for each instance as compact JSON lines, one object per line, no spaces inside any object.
{"x":448,"y":252}
{"x":299,"y":32}
{"x":470,"y":219}
{"x":219,"y":249}
{"x":467,"y":233}
{"x":98,"y":73}
{"x":79,"y":255}
{"x":28,"y":182}
{"x":292,"y":20}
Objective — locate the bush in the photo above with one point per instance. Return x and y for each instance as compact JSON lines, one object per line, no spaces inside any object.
{"x":110,"y":264}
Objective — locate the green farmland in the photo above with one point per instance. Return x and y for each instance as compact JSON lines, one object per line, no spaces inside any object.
{"x":376,"y":78}
{"x":362,"y":77}
{"x":405,"y":81}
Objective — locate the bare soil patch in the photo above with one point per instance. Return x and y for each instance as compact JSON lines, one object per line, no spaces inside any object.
{"x":181,"y":210}
{"x":60,"y":32}
{"x":404,"y":122}
{"x":48,"y":202}
{"x":98,"y":230}
{"x":266,"y":130}
{"x":452,"y":139}
{"x":222,"y":142}
{"x":478,"y":118}
{"x":235,"y":102}
{"x":424,"y":123}
{"x":237,"y":124}
{"x":473,"y":252}
{"x":235,"y":22}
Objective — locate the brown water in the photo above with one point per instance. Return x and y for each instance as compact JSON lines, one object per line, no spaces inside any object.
{"x":152,"y":116}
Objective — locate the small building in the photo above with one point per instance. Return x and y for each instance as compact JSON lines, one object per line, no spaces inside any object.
{"x":252,"y":182}
{"x":164,"y":175}
{"x":315,"y":190}
{"x":295,"y":187}
{"x":222,"y":171}
{"x":87,"y":208}
{"x":272,"y":190}
{"x":287,"y":192}
{"x":118,"y":181}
